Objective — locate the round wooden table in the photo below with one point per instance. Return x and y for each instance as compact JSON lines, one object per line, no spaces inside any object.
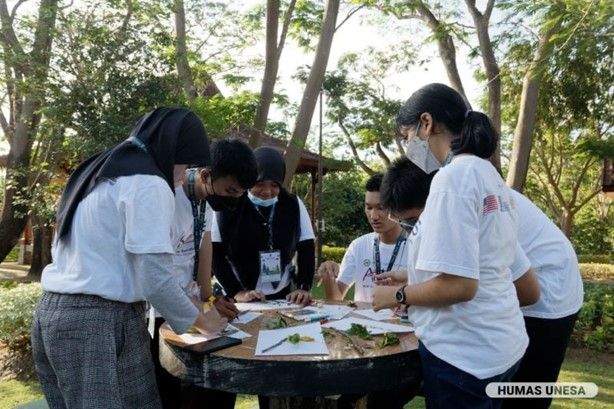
{"x":352,"y":367}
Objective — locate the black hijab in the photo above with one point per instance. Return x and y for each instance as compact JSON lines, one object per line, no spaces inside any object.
{"x":160,"y":139}
{"x":271,"y":165}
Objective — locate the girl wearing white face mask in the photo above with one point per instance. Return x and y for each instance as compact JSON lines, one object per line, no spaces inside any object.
{"x":254,"y":245}
{"x":461,"y":297}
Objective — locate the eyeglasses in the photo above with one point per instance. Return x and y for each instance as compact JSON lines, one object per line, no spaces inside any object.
{"x":407,"y":224}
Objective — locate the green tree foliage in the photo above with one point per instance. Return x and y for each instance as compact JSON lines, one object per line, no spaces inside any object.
{"x":342,"y":206}
{"x":575,"y":107}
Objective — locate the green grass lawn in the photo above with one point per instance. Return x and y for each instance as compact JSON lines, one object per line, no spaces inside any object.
{"x":580,"y":365}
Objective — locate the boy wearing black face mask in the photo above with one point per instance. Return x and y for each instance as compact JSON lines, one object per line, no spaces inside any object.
{"x":199,"y":192}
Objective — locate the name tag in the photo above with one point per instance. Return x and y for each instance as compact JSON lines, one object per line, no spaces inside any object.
{"x":270,"y":266}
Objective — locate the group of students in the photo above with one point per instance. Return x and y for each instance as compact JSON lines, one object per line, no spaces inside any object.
{"x":451,"y":244}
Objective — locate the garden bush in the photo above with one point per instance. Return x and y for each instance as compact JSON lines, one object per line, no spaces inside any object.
{"x":333,"y":253}
{"x":17,"y":303}
{"x":595,"y":326}
{"x":596,"y":258}
{"x":594,"y":271}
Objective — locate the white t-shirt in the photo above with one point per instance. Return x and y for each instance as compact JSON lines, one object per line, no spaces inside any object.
{"x":182,"y":236}
{"x":468,"y":228}
{"x":554,"y":261}
{"x":358,"y":265}
{"x":306,"y":233}
{"x":137,"y":209}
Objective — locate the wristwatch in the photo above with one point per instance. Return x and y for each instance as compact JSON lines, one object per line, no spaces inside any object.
{"x":400,"y":295}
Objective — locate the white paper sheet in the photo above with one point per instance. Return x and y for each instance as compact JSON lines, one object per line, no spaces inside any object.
{"x":234,"y":332}
{"x":380,"y":315}
{"x":191,"y":339}
{"x":246,"y":317}
{"x":229,"y":331}
{"x":374,"y":327}
{"x":269,"y":305}
{"x":266,"y":338}
{"x":312,"y":312}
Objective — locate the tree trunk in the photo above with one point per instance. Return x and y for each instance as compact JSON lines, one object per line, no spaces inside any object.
{"x":273,"y":55}
{"x":310,"y":95}
{"x":445,"y":46}
{"x":41,"y":248}
{"x":270,"y":72}
{"x":521,"y":148}
{"x":354,"y":150}
{"x":181,"y":53}
{"x":566,"y":221}
{"x":26,"y":100}
{"x":491,"y":67}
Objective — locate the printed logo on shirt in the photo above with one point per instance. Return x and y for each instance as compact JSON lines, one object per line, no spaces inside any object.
{"x":368,"y":277}
{"x":366,"y":262}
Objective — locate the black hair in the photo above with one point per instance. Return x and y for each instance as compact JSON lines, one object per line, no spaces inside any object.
{"x":473,"y":131}
{"x":374,"y":183}
{"x":231,"y":156}
{"x":405,"y":186}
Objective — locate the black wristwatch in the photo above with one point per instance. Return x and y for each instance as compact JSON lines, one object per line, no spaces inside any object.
{"x":400,"y":296}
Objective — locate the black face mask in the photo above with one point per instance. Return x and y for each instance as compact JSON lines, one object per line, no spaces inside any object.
{"x":221,"y":203}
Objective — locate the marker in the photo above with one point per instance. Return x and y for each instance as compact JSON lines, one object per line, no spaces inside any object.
{"x":318,"y":317}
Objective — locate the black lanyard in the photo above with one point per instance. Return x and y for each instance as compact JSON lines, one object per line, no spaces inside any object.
{"x":199,"y":210}
{"x":378,"y":266}
{"x":269,"y":224}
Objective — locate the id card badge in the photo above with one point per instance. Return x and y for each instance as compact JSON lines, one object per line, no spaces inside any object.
{"x":270,"y":266}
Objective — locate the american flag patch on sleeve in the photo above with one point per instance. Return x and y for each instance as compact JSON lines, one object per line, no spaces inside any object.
{"x":491,"y":204}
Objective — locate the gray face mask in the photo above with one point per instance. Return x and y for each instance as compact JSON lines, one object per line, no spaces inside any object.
{"x":419,"y":152}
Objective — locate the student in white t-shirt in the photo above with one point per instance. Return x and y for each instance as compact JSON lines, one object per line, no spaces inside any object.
{"x":113,"y":252}
{"x":551,"y":320}
{"x":232,"y":171}
{"x":360,"y":267}
{"x":371,"y":254}
{"x":461,"y":297}
{"x":550,"y":305}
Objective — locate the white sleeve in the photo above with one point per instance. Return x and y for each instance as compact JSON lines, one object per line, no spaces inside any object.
{"x":521,"y":263}
{"x":148,"y":215}
{"x":208,"y":218}
{"x":450,"y":235}
{"x":216,"y":237}
{"x":305,"y":222}
{"x":347,"y":270}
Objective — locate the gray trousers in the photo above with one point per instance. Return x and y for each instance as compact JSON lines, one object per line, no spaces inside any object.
{"x":93,"y":353}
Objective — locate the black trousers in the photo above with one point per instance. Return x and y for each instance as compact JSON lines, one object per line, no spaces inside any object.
{"x":548,"y":340}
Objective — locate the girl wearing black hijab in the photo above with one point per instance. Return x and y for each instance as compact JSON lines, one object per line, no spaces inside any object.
{"x":112,"y":252}
{"x":253,"y":247}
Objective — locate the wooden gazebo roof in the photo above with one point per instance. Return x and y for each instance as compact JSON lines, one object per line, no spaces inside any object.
{"x":308,"y":162}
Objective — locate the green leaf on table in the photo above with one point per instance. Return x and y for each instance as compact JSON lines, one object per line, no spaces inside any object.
{"x":360,"y":331}
{"x":390,"y":338}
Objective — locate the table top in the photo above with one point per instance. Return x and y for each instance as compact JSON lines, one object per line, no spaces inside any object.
{"x":353,"y":365}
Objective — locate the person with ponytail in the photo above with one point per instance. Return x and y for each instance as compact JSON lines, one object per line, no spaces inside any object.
{"x":460,"y":294}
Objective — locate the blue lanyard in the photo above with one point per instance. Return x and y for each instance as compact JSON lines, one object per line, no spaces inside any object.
{"x":199,"y":210}
{"x":378,"y":266}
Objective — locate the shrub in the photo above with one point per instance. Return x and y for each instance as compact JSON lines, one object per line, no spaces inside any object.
{"x":333,"y":253}
{"x":596,"y":258}
{"x":595,"y":326}
{"x":594,"y":271}
{"x":17,"y":303}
